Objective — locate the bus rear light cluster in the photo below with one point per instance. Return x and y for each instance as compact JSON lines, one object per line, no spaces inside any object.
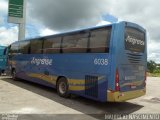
{"x":117,"y":88}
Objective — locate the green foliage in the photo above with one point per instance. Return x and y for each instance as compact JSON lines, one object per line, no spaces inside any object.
{"x":153,"y":69}
{"x":151,"y":65}
{"x":157,"y":70}
{"x":154,"y":74}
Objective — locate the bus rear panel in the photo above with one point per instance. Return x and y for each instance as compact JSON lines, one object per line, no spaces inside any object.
{"x":130,"y":63}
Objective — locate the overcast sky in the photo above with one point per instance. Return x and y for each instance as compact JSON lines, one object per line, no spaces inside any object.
{"x":46,"y":17}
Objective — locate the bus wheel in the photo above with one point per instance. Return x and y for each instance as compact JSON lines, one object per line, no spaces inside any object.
{"x":14,"y":74}
{"x":62,"y":87}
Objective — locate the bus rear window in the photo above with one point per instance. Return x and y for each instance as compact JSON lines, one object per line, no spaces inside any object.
{"x":134,"y":40}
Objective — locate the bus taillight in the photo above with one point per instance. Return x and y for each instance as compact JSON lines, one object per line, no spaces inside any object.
{"x":117,"y":88}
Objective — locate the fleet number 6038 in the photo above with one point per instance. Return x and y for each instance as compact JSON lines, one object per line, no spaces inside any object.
{"x":99,"y":61}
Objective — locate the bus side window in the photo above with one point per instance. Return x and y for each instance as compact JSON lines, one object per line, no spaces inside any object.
{"x":24,"y":47}
{"x":14,"y":49}
{"x":36,"y":46}
{"x":99,"y":40}
{"x":75,"y":43}
{"x":52,"y":45}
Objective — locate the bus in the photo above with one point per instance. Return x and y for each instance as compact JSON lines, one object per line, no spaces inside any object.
{"x":3,"y":59}
{"x":103,"y":63}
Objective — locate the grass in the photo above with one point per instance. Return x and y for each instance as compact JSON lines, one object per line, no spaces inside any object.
{"x":153,"y":74}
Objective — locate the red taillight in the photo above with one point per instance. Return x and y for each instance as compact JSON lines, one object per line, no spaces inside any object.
{"x":117,"y":88}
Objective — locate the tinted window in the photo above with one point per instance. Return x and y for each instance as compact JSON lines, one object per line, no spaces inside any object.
{"x":99,"y":40}
{"x":24,"y":47}
{"x":14,"y":49}
{"x":36,"y":46}
{"x":52,"y":45}
{"x":75,"y":43}
{"x":134,"y":40}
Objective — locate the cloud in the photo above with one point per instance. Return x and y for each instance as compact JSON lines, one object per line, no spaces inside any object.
{"x":63,"y":15}
{"x":8,"y":35}
{"x":103,"y":23}
{"x":8,"y":32}
{"x":154,"y":51}
{"x":47,"y":31}
{"x":3,"y":6}
{"x":3,"y":11}
{"x":1,"y":20}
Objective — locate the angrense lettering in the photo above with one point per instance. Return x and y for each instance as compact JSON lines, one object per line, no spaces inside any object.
{"x":41,"y":61}
{"x":134,"y":41}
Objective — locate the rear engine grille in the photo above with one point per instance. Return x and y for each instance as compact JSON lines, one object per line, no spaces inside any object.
{"x":133,"y":58}
{"x":91,"y":86}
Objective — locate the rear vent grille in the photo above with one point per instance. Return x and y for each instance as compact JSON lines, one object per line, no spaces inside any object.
{"x":91,"y":86}
{"x":133,"y":58}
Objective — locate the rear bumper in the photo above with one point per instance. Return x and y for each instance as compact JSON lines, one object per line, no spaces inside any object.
{"x":123,"y":96}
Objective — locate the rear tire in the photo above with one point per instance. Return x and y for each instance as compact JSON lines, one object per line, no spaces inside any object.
{"x":62,"y":87}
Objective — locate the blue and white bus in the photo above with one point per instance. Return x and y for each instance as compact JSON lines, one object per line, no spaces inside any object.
{"x":3,"y":59}
{"x":105,"y":63}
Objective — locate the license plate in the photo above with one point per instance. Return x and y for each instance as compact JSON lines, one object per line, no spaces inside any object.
{"x":133,"y":86}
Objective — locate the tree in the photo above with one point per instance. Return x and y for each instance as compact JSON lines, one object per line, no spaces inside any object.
{"x":151,"y":65}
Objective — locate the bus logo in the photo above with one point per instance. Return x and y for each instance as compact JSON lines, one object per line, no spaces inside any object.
{"x":44,"y":61}
{"x":134,"y":41}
